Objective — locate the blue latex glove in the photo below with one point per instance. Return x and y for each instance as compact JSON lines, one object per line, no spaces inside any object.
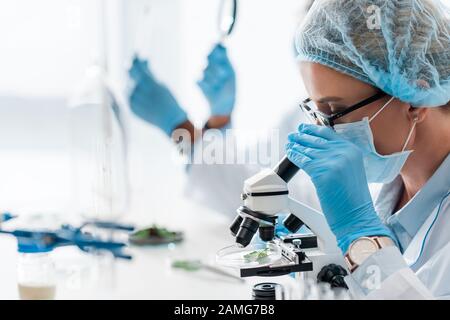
{"x":152,"y":101}
{"x":336,"y":168}
{"x":219,"y":82}
{"x":280,"y":229}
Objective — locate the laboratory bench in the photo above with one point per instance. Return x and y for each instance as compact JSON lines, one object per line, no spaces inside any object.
{"x":149,"y":274}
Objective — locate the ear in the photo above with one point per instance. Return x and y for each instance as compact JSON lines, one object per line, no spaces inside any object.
{"x":417,"y":115}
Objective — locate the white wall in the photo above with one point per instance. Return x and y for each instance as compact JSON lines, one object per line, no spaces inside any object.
{"x":46,"y":46}
{"x":262,"y":52}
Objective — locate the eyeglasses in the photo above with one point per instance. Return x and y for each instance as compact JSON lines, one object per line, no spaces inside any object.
{"x":312,"y":112}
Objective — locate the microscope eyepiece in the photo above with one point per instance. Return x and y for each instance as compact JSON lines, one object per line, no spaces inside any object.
{"x":286,"y":169}
{"x":246,"y":232}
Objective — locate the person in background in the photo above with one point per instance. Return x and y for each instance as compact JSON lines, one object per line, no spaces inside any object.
{"x":217,"y":186}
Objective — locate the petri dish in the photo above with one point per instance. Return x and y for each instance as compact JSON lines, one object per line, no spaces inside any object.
{"x":254,"y":255}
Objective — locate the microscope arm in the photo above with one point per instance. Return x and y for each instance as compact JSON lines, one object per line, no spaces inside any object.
{"x":317,"y":223}
{"x":265,"y":195}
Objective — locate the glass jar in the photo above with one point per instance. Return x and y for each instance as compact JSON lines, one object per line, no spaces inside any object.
{"x":36,"y":276}
{"x":98,"y":151}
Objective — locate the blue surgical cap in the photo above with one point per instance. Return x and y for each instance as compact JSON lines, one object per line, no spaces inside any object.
{"x":399,"y":46}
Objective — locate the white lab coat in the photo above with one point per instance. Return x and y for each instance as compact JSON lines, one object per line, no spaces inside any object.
{"x":421,"y":268}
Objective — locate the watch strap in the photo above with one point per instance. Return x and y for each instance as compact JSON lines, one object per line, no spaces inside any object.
{"x":381,"y":242}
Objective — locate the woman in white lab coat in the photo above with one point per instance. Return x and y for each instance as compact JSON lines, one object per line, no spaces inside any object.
{"x":378,"y":75}
{"x":387,"y":62}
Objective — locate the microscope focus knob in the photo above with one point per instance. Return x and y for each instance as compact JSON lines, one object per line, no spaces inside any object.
{"x":334,"y":275}
{"x":267,"y":291}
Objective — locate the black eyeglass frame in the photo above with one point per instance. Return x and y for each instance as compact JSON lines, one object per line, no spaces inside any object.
{"x":329,"y":120}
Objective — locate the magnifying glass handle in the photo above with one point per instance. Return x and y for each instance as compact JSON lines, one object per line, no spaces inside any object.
{"x":222,"y":40}
{"x":226,"y":18}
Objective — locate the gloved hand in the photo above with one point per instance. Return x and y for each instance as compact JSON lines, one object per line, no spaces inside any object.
{"x":280,"y":229}
{"x":151,"y":100}
{"x":219,"y":82}
{"x":336,"y":168}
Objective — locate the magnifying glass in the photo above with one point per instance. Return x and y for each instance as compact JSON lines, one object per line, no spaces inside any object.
{"x":227,"y":18}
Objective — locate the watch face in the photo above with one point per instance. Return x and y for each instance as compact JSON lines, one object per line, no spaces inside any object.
{"x":361,"y":249}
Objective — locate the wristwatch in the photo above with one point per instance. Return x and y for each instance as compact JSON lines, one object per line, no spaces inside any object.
{"x":363,"y":248}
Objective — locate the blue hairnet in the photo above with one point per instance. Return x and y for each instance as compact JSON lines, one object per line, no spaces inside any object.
{"x":399,"y":46}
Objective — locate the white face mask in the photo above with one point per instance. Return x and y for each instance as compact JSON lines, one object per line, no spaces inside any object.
{"x":379,"y":168}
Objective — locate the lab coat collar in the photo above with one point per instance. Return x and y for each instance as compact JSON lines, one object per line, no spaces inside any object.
{"x":414,"y":214}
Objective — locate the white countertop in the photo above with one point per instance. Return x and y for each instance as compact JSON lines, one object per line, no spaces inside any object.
{"x":148,"y":275}
{"x":39,"y":180}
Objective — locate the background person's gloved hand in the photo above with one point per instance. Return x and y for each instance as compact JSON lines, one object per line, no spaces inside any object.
{"x":219,"y":82}
{"x":336,"y":168}
{"x":280,"y":229}
{"x":151,"y":100}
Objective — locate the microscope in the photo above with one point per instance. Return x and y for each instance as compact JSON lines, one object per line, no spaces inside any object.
{"x":313,"y":255}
